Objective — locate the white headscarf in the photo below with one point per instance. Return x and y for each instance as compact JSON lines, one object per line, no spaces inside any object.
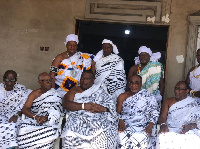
{"x":145,"y":49}
{"x":100,"y":53}
{"x":154,"y":57}
{"x":115,"y":50}
{"x":71,"y":37}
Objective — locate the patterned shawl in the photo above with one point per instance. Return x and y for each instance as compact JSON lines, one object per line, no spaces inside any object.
{"x":110,"y":71}
{"x":10,"y":105}
{"x":35,"y":135}
{"x":151,"y":75}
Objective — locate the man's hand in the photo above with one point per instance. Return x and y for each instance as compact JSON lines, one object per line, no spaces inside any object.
{"x":41,"y":119}
{"x":13,"y":119}
{"x":98,"y":108}
{"x":148,"y":129}
{"x":94,"y":108}
{"x":121,"y":126}
{"x":186,"y":128}
{"x":163,"y":129}
{"x":89,"y":107}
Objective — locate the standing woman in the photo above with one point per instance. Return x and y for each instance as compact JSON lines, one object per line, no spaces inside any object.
{"x":109,"y":69}
{"x":67,"y":67}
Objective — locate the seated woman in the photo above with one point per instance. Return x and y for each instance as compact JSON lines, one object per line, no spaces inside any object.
{"x":67,"y":67}
{"x":109,"y":69}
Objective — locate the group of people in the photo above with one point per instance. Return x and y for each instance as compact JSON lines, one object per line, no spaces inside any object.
{"x":105,"y":110}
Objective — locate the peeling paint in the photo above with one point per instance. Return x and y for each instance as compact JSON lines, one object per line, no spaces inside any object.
{"x":29,"y":30}
{"x":166,"y":18}
{"x":180,"y":58}
{"x":149,"y":19}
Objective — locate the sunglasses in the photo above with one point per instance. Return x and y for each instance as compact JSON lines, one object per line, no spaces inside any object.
{"x":10,"y":80}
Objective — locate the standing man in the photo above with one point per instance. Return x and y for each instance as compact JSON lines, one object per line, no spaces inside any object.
{"x":150,"y":70}
{"x":12,"y":99}
{"x":92,"y":121}
{"x":179,"y":121}
{"x":43,"y":109}
{"x":193,"y":78}
{"x":109,"y":69}
{"x":67,"y":67}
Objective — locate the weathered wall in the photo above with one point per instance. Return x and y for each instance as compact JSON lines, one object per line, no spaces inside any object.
{"x":25,"y":25}
{"x":177,"y":44}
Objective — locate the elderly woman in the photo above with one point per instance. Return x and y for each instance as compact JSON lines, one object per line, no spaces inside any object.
{"x":109,"y":69}
{"x":67,"y":67}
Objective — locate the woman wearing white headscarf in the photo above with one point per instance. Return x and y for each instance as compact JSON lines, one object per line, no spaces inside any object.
{"x":67,"y":67}
{"x":109,"y":69}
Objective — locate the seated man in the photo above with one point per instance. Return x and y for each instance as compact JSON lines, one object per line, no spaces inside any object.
{"x":92,"y":121}
{"x":43,"y":109}
{"x":139,"y":112}
{"x":179,"y":121}
{"x":12,"y":99}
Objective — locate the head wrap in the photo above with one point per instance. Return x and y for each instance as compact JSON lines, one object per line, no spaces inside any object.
{"x":145,"y":49}
{"x":100,"y":53}
{"x":71,"y":37}
{"x":154,"y":57}
{"x":115,"y":50}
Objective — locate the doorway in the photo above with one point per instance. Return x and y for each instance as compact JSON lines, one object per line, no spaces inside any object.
{"x":91,"y":35}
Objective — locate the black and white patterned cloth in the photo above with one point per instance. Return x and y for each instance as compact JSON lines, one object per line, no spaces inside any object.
{"x":181,"y":113}
{"x":33,"y":135}
{"x":137,"y":111}
{"x":84,"y":129}
{"x":11,"y":102}
{"x":110,"y":71}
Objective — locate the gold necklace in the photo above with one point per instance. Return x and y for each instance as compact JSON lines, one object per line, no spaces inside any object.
{"x":197,"y":76}
{"x":138,"y":71}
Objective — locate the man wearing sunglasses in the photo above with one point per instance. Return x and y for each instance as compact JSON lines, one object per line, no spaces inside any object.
{"x":179,"y":120}
{"x":12,"y":98}
{"x":42,"y":109}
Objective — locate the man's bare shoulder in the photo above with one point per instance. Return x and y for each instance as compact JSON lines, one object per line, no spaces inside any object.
{"x":61,"y":56}
{"x":124,"y":96}
{"x":170,"y":101}
{"x":77,"y":89}
{"x":192,"y":69}
{"x":35,"y":94}
{"x":133,"y":69}
{"x":74,"y":90}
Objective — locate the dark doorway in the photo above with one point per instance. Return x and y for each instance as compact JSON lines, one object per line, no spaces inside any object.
{"x":91,"y":35}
